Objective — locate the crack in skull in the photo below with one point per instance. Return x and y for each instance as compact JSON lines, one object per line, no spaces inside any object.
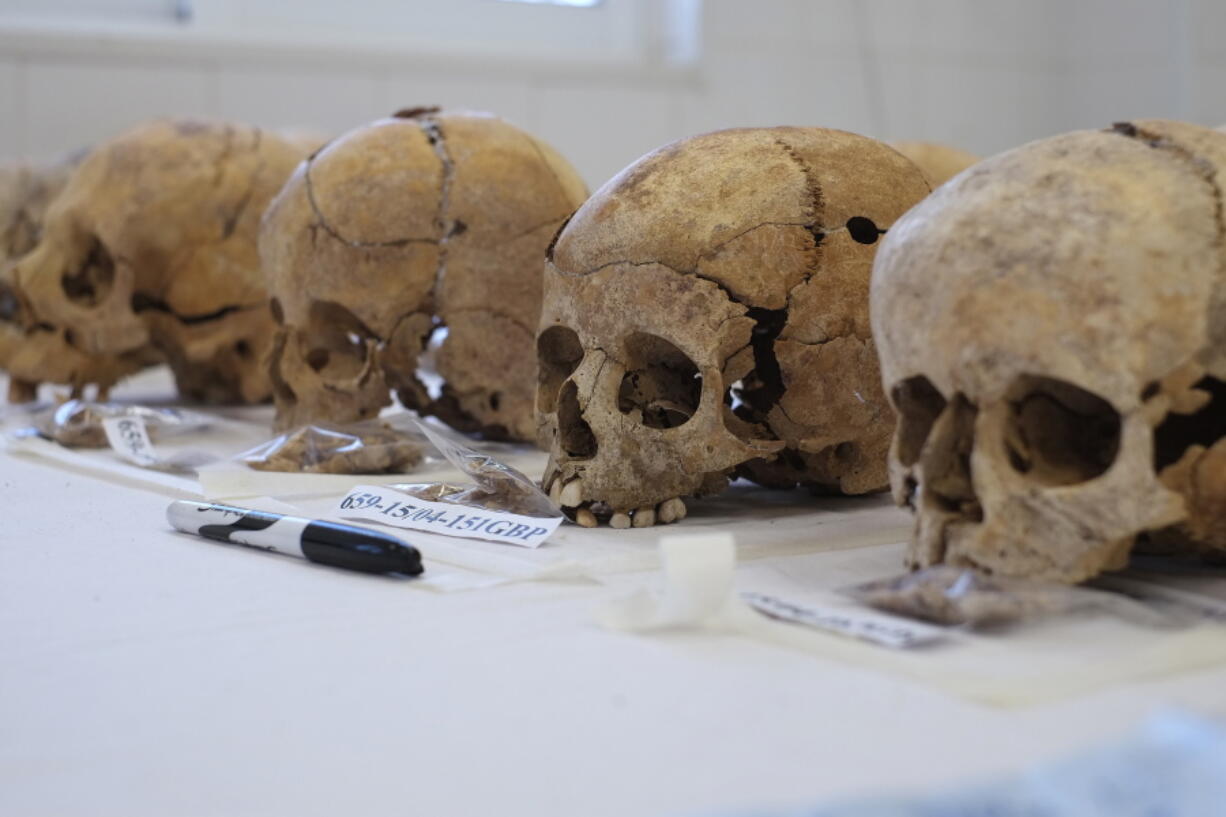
{"x":673,"y":437}
{"x":1086,"y":445}
{"x":466,"y":295}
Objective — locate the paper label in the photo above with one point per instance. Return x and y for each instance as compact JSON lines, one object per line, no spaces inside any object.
{"x":1188,"y":604}
{"x":372,"y":503}
{"x":130,"y":439}
{"x":885,"y":631}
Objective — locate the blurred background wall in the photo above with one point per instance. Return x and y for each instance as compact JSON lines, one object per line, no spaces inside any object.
{"x":608,"y":83}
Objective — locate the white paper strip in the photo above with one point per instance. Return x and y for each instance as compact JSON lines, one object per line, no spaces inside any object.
{"x":875,"y":628}
{"x":1026,"y":666}
{"x":697,"y":593}
{"x":1172,"y":600}
{"x":371,"y":503}
{"x":130,"y":440}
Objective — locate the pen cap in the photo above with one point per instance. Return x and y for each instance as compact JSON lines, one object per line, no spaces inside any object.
{"x":356,"y":548}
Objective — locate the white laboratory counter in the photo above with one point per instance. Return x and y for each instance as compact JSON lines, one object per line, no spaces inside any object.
{"x":146,"y":672}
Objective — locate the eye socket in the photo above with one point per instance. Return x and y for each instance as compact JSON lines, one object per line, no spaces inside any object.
{"x":918,"y":404}
{"x":92,"y":282}
{"x":661,"y":383}
{"x":863,"y":230}
{"x":558,"y":353}
{"x":1059,"y":434}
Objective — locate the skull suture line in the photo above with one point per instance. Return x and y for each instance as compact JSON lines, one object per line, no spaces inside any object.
{"x":395,"y":230}
{"x":706,"y":314}
{"x":1052,"y":326}
{"x":153,"y":243}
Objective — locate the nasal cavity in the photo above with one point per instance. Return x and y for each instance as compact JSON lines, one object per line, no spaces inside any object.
{"x":918,"y":404}
{"x":574,"y":434}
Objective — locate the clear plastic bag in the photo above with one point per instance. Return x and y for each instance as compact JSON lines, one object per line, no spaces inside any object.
{"x":957,"y":596}
{"x":502,"y":505}
{"x":130,"y":431}
{"x":368,"y":447}
{"x":81,"y":423}
{"x":498,"y":487}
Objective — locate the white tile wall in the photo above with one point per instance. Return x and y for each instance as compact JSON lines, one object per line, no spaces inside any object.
{"x":780,"y":88}
{"x":995,"y":33}
{"x":603,"y":129}
{"x":1099,"y":96}
{"x":987,"y":109}
{"x":1009,"y":33}
{"x":12,"y":135}
{"x":1207,"y":63}
{"x":772,"y":26}
{"x":1123,"y":33}
{"x":71,"y":104}
{"x":1208,"y":95}
{"x":1207,"y":30}
{"x":330,"y":101}
{"x":907,"y":100}
{"x":980,"y":75}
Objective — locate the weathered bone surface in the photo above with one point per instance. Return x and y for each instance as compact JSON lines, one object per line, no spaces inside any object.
{"x":394,"y":231}
{"x":939,"y":163}
{"x":152,"y":245}
{"x":1052,"y":328}
{"x":706,"y":315}
{"x":25,"y":193}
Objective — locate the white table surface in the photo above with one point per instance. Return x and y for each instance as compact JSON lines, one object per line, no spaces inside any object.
{"x":148,"y":673}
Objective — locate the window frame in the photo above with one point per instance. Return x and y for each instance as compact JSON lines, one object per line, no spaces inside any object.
{"x":631,"y":34}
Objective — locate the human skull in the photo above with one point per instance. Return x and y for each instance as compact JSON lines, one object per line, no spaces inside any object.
{"x":1052,"y":327}
{"x":706,"y":314}
{"x":396,"y":230}
{"x":152,"y":243}
{"x":938,"y":163}
{"x":43,"y":353}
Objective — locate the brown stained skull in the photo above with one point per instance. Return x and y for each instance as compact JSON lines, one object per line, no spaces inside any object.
{"x":26,"y":192}
{"x":152,"y":245}
{"x":394,"y":231}
{"x":706,"y":315}
{"x":42,"y":354}
{"x":1052,"y":327}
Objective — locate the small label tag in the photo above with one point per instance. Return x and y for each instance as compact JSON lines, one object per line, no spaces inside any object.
{"x":885,"y":631}
{"x":391,"y":507}
{"x":130,"y":439}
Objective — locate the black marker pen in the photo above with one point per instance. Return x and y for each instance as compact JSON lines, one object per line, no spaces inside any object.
{"x":329,"y":543}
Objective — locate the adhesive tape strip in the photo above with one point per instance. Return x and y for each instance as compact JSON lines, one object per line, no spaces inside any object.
{"x":697,"y":592}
